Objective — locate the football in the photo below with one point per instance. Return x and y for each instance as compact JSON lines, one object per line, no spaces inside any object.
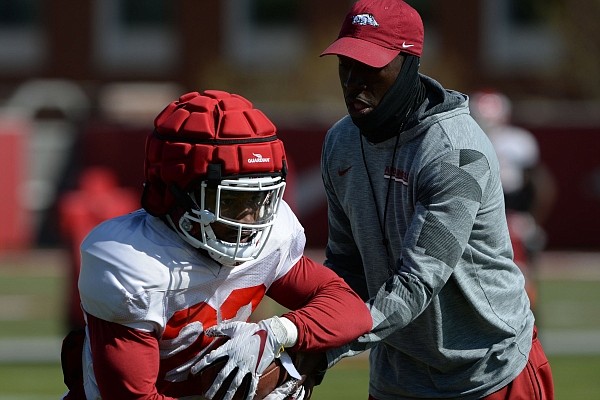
{"x":273,"y":376}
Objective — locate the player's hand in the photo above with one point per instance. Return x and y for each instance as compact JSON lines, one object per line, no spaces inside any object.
{"x":292,"y":389}
{"x":250,"y":350}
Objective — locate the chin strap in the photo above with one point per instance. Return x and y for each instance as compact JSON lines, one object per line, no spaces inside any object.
{"x":206,"y":217}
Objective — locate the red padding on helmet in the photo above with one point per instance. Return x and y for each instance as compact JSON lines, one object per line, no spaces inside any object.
{"x":172,"y":122}
{"x":235,"y":125}
{"x":214,"y":127}
{"x":200,"y":126}
{"x":230,"y":102}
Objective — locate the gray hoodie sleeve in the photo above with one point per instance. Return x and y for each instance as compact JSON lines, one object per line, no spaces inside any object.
{"x":450,"y":192}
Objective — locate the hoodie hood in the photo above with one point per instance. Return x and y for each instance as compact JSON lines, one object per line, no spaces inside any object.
{"x":439,"y":104}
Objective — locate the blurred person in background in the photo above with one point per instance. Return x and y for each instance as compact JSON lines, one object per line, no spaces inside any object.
{"x":529,"y":188}
{"x":97,"y":197}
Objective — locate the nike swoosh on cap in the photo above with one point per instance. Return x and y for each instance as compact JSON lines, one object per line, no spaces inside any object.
{"x":404,"y":45}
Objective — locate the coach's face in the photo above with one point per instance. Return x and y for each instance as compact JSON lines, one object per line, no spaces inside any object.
{"x":364,"y":86}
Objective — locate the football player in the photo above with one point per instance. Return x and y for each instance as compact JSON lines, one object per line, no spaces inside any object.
{"x":213,"y":238}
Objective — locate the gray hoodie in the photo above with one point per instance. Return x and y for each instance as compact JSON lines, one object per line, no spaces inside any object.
{"x":451,"y":317}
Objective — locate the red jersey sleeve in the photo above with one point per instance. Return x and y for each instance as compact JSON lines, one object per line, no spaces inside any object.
{"x":126,"y":361}
{"x":332,"y":316}
{"x":127,"y":365}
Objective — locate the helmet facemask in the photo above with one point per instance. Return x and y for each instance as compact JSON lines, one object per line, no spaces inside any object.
{"x":232,"y":220}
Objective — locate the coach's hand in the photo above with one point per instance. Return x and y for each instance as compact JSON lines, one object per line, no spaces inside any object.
{"x":250,"y":350}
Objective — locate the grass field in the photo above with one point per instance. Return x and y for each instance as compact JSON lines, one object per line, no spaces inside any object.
{"x":32,"y":308}
{"x":575,"y":378}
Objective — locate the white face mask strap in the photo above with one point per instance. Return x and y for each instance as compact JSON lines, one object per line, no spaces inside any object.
{"x":206,"y":217}
{"x":208,"y":232}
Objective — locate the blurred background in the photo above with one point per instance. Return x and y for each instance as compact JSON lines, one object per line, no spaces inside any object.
{"x":81,"y":81}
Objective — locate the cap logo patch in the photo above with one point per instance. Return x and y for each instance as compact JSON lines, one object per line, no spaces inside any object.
{"x":258,"y":158}
{"x":364,"y":19}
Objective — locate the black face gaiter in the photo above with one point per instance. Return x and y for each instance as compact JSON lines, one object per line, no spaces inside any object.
{"x":402,"y":98}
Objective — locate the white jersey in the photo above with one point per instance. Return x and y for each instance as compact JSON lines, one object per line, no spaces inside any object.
{"x":138,"y":272}
{"x":517,"y":151}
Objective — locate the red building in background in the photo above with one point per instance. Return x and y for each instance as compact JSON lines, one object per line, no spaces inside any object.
{"x":540,"y":54}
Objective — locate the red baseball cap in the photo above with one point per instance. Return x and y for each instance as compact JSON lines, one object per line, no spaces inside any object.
{"x":374,"y":32}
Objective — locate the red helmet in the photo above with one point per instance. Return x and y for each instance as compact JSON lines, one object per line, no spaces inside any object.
{"x":213,"y":141}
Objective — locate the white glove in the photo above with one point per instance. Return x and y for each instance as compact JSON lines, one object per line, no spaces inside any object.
{"x":291,"y":389}
{"x":251,"y":349}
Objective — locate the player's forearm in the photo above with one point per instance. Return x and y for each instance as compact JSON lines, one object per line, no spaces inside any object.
{"x":334,"y":314}
{"x":330,"y":321}
{"x":125,"y":361}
